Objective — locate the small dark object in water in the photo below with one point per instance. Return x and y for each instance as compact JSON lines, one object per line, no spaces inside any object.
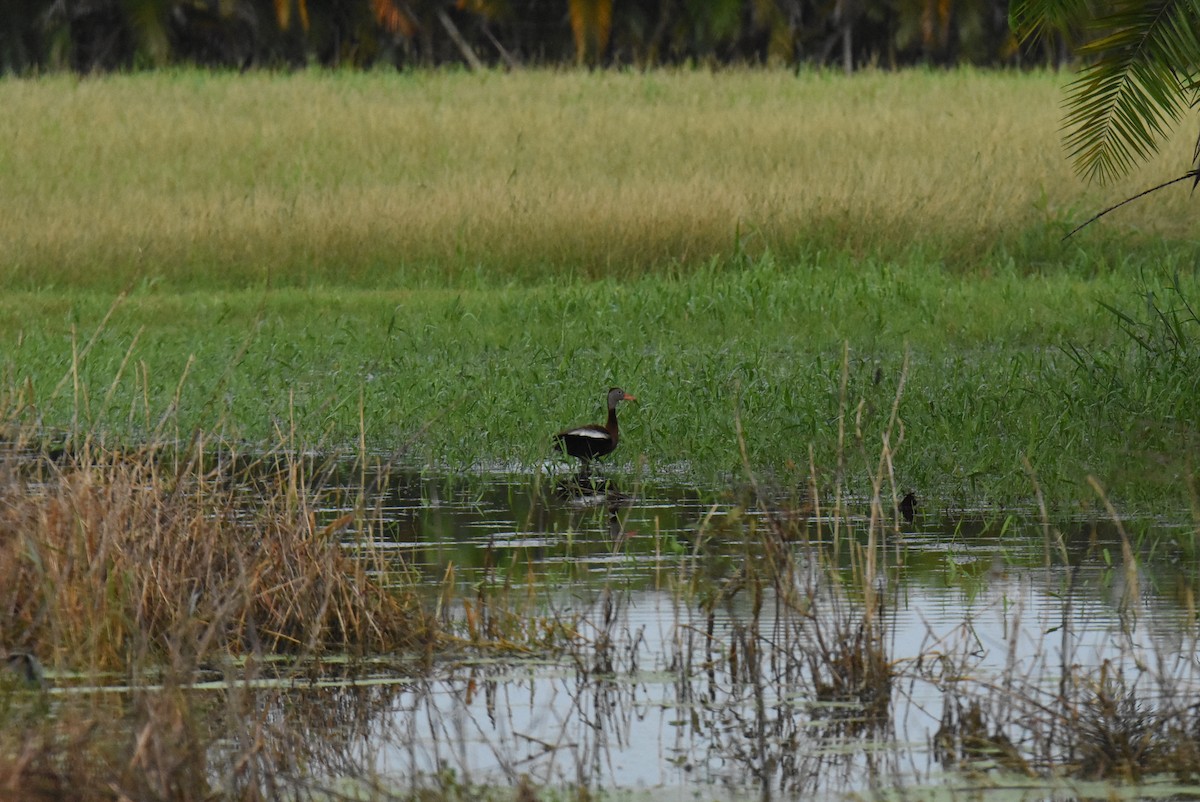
{"x":593,"y":440}
{"x":908,"y":507}
{"x":25,"y":666}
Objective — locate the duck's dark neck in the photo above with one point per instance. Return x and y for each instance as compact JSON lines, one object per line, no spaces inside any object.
{"x":612,"y":421}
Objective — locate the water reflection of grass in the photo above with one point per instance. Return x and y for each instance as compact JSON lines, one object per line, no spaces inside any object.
{"x":1055,"y":712}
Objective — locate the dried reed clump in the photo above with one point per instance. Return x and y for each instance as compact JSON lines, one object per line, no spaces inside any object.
{"x":840,"y":635}
{"x":1113,"y":730}
{"x":111,"y":559}
{"x":849,"y":663}
{"x":1098,"y":727}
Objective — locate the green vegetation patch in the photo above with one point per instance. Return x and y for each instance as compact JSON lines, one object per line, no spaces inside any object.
{"x":478,"y":379}
{"x":451,"y":267}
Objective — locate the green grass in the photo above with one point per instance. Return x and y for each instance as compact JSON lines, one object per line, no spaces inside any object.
{"x":453,"y":267}
{"x":473,"y":378}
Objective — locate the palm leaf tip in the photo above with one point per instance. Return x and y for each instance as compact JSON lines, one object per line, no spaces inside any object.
{"x":1126,"y":102}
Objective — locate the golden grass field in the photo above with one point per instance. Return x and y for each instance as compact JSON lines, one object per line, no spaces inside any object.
{"x":213,"y":179}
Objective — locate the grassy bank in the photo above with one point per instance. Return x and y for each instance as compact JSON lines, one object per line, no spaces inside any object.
{"x":450,"y":267}
{"x":470,"y":379}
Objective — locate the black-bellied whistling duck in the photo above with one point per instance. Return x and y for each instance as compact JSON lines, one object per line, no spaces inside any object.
{"x":593,"y":441}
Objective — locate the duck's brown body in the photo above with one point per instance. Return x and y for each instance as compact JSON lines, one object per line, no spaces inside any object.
{"x":593,"y":441}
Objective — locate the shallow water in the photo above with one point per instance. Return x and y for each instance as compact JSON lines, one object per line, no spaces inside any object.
{"x":663,"y":697}
{"x":695,"y":674}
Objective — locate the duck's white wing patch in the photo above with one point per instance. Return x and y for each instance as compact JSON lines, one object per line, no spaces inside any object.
{"x":598,"y":434}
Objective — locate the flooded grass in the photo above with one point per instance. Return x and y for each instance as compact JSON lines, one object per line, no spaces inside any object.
{"x":453,"y":307}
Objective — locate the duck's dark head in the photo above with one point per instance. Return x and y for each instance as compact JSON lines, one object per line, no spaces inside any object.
{"x":616,"y":395}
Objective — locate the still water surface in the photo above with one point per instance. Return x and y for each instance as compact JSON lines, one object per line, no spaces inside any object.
{"x":663,"y":699}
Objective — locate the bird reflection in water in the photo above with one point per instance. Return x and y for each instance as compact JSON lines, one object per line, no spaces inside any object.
{"x":584,"y":489}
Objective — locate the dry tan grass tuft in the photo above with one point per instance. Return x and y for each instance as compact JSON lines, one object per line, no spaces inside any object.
{"x":110,"y":560}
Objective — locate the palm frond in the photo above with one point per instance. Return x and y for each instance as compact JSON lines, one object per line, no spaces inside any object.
{"x":1032,"y":19}
{"x":1137,"y":87}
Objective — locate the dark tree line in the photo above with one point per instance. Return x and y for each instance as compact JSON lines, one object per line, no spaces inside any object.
{"x":101,"y":35}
